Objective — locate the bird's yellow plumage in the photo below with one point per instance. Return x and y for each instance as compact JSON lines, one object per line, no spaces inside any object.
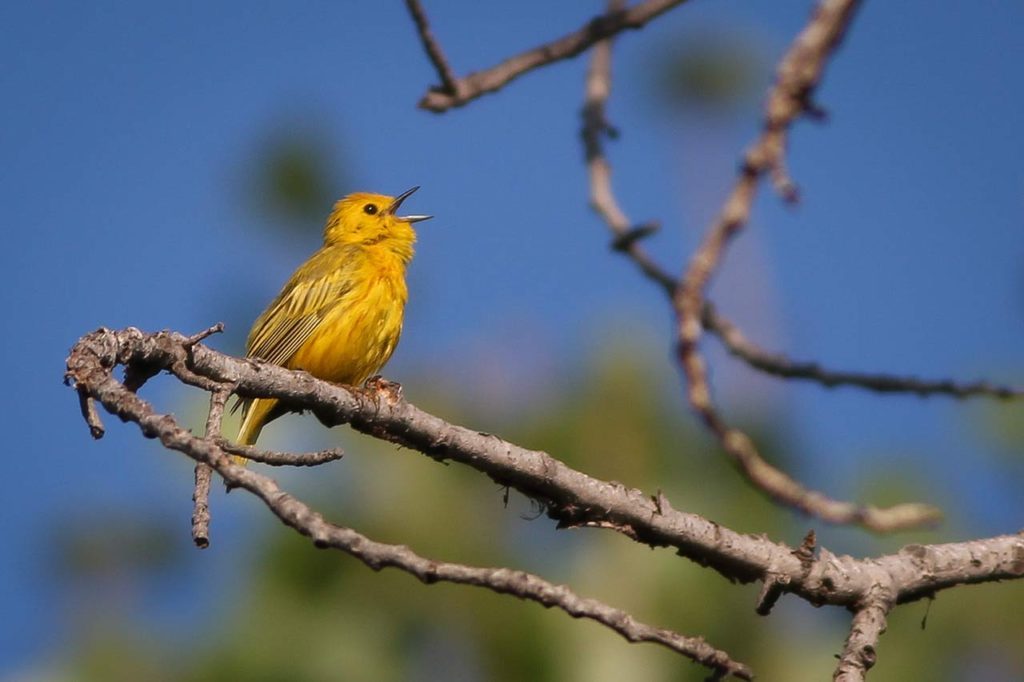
{"x":339,"y":316}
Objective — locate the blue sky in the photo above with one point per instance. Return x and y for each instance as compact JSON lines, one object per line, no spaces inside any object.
{"x":125,"y":141}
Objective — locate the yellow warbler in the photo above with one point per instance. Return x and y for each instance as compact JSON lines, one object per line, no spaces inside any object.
{"x":339,"y":316}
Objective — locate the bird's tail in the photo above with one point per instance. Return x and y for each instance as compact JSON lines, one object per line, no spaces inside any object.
{"x":254,"y":417}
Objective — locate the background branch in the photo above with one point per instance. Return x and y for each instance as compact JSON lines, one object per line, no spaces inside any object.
{"x":628,"y":236}
{"x":764,"y":476}
{"x":464,"y":90}
{"x":799,"y":73}
{"x":778,"y":365}
{"x":433,"y":49}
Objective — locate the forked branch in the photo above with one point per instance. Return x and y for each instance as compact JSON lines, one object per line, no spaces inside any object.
{"x":90,"y":374}
{"x":766,"y":477}
{"x":456,"y":92}
{"x":798,"y":75}
{"x":570,"y":496}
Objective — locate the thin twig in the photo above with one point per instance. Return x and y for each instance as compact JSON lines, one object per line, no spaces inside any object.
{"x":602,"y":197}
{"x":92,"y":418}
{"x":201,"y":506}
{"x":859,"y":654}
{"x":449,"y":84}
{"x":466,"y":89}
{"x":799,"y":73}
{"x":201,"y":491}
{"x":778,"y":365}
{"x":199,"y":336}
{"x":279,"y":459}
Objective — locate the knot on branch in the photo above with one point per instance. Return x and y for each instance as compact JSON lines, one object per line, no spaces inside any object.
{"x":625,"y":240}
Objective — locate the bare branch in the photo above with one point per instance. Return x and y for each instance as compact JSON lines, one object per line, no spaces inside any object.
{"x":299,"y":516}
{"x":201,"y":492}
{"x":763,"y":475}
{"x":201,"y":506}
{"x":203,"y":335}
{"x":570,"y":496}
{"x":627,"y":237}
{"x":92,"y":418}
{"x":859,"y":653}
{"x":799,"y":73}
{"x":602,"y":197}
{"x":781,"y":366}
{"x":449,"y":84}
{"x":575,"y":499}
{"x":278,"y":459}
{"x":466,"y":89}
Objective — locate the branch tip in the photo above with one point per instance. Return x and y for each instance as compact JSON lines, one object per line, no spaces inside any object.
{"x":201,"y":506}
{"x":209,"y":331}
{"x":91,"y":416}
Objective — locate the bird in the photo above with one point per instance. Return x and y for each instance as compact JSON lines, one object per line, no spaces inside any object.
{"x":339,"y":316}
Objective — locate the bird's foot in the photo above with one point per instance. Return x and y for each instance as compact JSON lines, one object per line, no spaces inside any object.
{"x":382,"y":388}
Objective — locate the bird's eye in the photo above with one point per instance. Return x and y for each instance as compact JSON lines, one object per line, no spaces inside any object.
{"x":370,"y":209}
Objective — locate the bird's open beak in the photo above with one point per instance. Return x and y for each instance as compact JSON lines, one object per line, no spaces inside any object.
{"x":398,"y":202}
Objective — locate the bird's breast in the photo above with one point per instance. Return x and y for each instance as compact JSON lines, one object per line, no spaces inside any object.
{"x":359,"y":334}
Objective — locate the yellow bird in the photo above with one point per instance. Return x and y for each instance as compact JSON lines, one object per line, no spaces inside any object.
{"x":339,"y":316}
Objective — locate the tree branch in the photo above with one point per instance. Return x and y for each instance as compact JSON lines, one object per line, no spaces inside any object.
{"x":569,"y":496}
{"x":575,"y":499}
{"x":602,"y":196}
{"x":209,"y":452}
{"x":777,"y":484}
{"x":798,"y":75}
{"x":463,"y":90}
{"x":201,"y":493}
{"x":281,"y":459}
{"x":778,"y":365}
{"x":433,"y":49}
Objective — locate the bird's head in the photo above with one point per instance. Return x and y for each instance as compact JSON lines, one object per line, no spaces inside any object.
{"x":368,"y":219}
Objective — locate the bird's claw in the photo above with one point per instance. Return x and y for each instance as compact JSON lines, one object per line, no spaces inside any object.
{"x":389,"y":390}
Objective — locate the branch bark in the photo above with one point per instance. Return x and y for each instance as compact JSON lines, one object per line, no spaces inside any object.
{"x":859,"y":654}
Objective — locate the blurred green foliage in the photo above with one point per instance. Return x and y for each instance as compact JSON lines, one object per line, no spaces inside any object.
{"x":311,"y":615}
{"x":715,"y":73}
{"x":296,"y":177}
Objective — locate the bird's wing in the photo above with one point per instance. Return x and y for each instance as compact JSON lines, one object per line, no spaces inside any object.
{"x":295,"y":314}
